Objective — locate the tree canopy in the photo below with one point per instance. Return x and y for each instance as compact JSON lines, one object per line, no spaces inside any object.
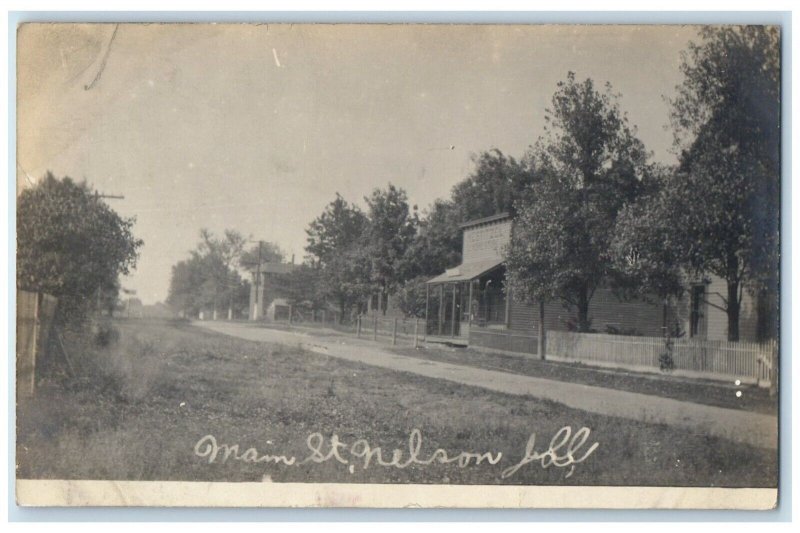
{"x":588,"y":165}
{"x":493,"y":186}
{"x":72,"y":245}
{"x":389,"y":234}
{"x":726,"y":119}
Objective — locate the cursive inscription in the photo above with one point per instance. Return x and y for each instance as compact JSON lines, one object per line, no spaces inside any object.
{"x":556,"y":455}
{"x":566,"y":449}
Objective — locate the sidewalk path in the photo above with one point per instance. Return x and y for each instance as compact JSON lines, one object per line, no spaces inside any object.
{"x":740,"y":426}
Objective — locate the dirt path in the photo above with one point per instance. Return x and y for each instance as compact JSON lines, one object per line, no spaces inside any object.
{"x":741,"y":426}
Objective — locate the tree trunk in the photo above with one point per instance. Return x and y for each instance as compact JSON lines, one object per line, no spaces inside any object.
{"x":733,"y":309}
{"x":583,"y":310}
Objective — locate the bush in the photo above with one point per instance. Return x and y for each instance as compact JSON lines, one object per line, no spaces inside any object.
{"x":104,"y":334}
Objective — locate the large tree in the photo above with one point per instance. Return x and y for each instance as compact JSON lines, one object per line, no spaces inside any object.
{"x":726,"y":119}
{"x":336,"y":243}
{"x":339,"y":227}
{"x":588,"y":164}
{"x":389,"y":234}
{"x":646,"y":250}
{"x":72,"y":245}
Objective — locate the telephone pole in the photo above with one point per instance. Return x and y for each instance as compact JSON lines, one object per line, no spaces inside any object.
{"x":97,"y":196}
{"x":256,"y":284}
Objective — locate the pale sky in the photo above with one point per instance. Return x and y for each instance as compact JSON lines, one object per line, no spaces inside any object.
{"x":256,"y":127}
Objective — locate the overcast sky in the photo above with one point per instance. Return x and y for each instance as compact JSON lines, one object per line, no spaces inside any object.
{"x":256,"y":127}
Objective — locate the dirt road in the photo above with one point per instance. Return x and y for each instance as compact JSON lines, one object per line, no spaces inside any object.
{"x":740,"y":426}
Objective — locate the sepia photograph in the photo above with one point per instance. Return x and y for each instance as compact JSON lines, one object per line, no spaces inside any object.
{"x":398,"y":265}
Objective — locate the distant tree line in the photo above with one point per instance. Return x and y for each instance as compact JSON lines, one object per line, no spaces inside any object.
{"x":210,"y":279}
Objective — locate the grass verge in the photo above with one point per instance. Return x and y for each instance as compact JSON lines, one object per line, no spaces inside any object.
{"x":142,"y":404}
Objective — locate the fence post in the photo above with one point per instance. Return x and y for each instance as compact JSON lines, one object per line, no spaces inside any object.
{"x":323,"y":318}
{"x":375,"y":328}
{"x":358,"y":327}
{"x":416,"y":331}
{"x":394,"y":332}
{"x":35,"y":344}
{"x":291,"y":312}
{"x":773,"y":371}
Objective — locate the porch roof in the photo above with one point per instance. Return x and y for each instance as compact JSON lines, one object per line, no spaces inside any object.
{"x":467,"y":271}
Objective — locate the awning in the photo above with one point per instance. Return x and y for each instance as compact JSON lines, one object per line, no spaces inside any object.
{"x":467,"y":271}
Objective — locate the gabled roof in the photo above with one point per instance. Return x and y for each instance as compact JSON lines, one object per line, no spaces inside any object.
{"x":468,"y":271}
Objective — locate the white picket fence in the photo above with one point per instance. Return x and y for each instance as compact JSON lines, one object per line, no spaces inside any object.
{"x":747,"y":361}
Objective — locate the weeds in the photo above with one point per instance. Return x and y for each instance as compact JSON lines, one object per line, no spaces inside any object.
{"x":160,"y":387}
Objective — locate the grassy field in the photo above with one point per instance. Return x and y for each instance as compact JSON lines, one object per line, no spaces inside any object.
{"x":141,"y":405}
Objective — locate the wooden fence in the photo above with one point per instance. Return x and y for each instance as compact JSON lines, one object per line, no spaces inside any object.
{"x":407,"y":330}
{"x":746,"y":361}
{"x":35,"y":313}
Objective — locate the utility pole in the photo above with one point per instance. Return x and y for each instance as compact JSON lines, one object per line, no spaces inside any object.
{"x":258,"y":281}
{"x":97,"y":196}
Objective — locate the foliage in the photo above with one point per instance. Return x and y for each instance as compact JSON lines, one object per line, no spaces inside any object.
{"x":208,"y":279}
{"x":269,"y":253}
{"x":388,"y":236}
{"x":492,"y":188}
{"x":337,"y":251}
{"x":589,"y":164}
{"x":647,"y":245}
{"x":666,"y":360}
{"x":412,"y":297}
{"x":437,"y":245}
{"x":726,"y":118}
{"x":303,"y":287}
{"x":338,"y":228}
{"x":72,"y":245}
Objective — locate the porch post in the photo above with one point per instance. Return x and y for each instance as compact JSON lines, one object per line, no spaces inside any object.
{"x":441,"y":307}
{"x":469,"y":303}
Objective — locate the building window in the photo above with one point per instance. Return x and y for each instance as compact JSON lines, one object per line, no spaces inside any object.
{"x":697,"y":322}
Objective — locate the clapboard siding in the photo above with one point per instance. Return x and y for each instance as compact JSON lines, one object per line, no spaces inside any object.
{"x":606,"y":310}
{"x":525,"y":317}
{"x":486,"y":241}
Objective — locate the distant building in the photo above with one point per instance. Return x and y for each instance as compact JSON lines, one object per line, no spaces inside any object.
{"x":470,"y":302}
{"x":267,"y":285}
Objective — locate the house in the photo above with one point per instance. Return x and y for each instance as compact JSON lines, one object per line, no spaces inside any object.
{"x":267,"y":285}
{"x":471,"y":304}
